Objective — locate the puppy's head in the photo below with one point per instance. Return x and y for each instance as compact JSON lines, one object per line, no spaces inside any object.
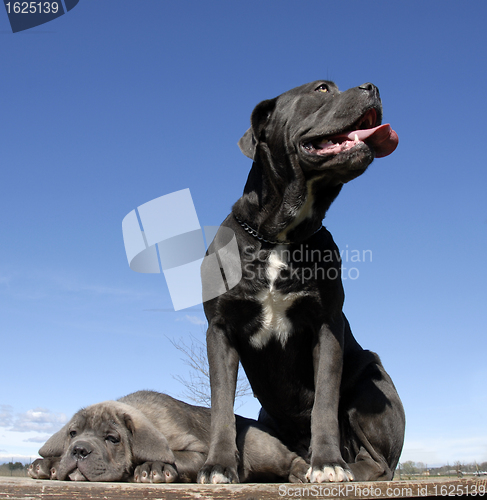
{"x":320,"y":131}
{"x":104,"y":442}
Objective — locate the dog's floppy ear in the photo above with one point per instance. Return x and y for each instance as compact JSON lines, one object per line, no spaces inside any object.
{"x":148,"y":443}
{"x":258,"y":120}
{"x":247,"y":144}
{"x":54,"y":446}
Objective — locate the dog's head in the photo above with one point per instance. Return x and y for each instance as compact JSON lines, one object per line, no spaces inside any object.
{"x":307,"y":143}
{"x":104,"y":442}
{"x":322,"y":129}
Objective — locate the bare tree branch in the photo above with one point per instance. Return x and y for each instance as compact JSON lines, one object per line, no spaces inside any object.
{"x":197,"y":382}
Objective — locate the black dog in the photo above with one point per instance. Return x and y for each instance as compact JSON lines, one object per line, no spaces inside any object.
{"x":326,"y":398}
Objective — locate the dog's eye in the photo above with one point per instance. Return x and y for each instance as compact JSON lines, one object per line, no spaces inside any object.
{"x":72,"y":434}
{"x":113,"y":439}
{"x":323,"y":88}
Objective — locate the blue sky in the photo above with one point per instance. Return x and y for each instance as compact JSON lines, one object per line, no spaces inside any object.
{"x":119,"y":102}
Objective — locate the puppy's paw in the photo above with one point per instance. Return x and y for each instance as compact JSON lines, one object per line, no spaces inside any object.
{"x":43,"y":468}
{"x":34,"y":470}
{"x":329,"y":473}
{"x":54,"y":468}
{"x":217,"y":474}
{"x":155,"y":472}
{"x":298,"y":472}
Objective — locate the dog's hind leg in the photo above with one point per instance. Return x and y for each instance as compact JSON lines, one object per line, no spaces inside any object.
{"x":263,"y":457}
{"x":373,"y":432}
{"x":365,"y":468}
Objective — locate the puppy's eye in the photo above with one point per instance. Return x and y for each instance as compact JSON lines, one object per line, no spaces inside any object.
{"x":113,"y":439}
{"x":323,"y":88}
{"x":72,"y":434}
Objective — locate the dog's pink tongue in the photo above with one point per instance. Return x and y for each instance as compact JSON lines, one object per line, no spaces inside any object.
{"x":382,"y":139}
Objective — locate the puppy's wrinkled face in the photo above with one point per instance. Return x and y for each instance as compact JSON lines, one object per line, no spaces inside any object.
{"x":97,"y":445}
{"x":326,"y":131}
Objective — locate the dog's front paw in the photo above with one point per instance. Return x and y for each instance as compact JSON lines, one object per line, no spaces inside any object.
{"x":37,"y":470}
{"x":217,"y":474}
{"x":155,"y":472}
{"x":329,"y":473}
{"x":43,"y":468}
{"x":298,"y":472}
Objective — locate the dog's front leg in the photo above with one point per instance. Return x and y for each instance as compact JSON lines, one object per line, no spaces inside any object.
{"x":221,"y":464}
{"x":327,"y":463}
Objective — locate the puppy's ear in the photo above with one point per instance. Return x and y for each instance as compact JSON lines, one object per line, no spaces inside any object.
{"x":54,"y":446}
{"x":258,"y":120}
{"x":148,"y":443}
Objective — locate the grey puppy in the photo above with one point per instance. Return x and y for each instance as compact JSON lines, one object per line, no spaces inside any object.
{"x":151,"y":437}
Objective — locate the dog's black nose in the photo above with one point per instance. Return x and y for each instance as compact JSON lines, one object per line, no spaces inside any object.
{"x":81,"y":451}
{"x":369,"y":87}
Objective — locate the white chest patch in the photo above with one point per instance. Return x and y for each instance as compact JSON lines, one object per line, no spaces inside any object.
{"x":274,"y":305}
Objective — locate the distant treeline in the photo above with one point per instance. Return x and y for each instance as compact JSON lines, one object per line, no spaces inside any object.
{"x":13,"y":469}
{"x":411,"y":468}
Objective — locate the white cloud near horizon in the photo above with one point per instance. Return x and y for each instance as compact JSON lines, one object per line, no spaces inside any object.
{"x":21,"y":434}
{"x":195,"y":320}
{"x":35,"y":420}
{"x":38,"y":439}
{"x":17,"y":457}
{"x":38,"y":420}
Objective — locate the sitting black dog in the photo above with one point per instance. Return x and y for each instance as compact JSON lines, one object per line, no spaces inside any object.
{"x":327,"y":399}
